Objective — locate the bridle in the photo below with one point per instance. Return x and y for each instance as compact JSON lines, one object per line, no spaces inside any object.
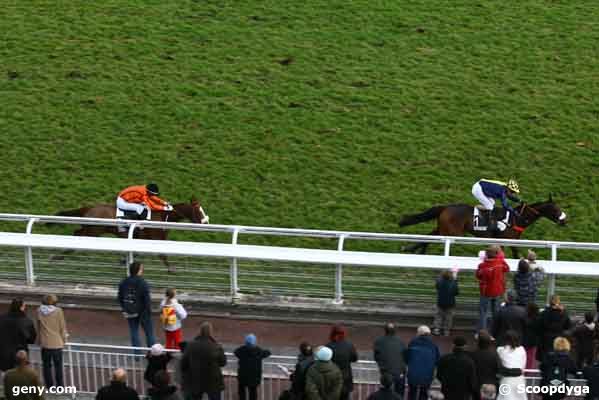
{"x":523,"y":207}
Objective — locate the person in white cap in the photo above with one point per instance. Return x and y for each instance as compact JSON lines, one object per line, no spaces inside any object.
{"x":158,"y":360}
{"x":422,"y":357}
{"x":323,"y":380}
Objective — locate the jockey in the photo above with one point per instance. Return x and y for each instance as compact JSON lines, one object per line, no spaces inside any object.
{"x":138,"y":198}
{"x":486,"y":191}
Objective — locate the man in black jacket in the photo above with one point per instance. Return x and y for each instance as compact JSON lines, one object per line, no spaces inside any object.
{"x":201,"y":366}
{"x":386,"y":391}
{"x":134,"y":298}
{"x":389,"y":355}
{"x":457,"y":373}
{"x":510,"y":317}
{"x":17,"y":331}
{"x":118,"y":389}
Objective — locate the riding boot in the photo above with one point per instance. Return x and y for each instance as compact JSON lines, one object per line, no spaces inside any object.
{"x":492,"y":225}
{"x":143,"y":215}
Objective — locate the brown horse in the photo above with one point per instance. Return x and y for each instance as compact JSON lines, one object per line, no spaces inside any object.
{"x":191,"y":211}
{"x":456,"y":219}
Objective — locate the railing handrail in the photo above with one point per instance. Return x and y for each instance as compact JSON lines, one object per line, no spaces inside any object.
{"x":258,"y":230}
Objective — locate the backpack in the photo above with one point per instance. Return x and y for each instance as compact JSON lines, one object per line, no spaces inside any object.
{"x":168,"y":316}
{"x":130,"y":305}
{"x":555,"y":374}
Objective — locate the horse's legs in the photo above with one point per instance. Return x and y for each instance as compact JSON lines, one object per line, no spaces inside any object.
{"x":171,"y":268}
{"x":419,"y":247}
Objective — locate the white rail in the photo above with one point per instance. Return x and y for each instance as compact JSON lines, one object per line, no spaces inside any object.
{"x":234,"y":251}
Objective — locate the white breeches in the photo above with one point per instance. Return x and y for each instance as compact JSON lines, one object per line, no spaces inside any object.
{"x":487,"y":202}
{"x":124,"y":205}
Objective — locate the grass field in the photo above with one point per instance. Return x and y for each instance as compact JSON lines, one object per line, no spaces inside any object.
{"x":319,"y":114}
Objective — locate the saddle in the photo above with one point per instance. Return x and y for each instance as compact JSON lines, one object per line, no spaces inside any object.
{"x":126,"y":214}
{"x":498,"y":219}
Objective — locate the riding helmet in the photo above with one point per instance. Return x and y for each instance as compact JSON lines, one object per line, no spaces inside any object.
{"x":513,"y":186}
{"x":152,"y":188}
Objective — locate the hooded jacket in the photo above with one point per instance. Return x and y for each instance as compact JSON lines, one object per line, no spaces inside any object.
{"x":324,"y":381}
{"x":490,"y":275}
{"x":52,"y":328}
{"x":422,"y":357}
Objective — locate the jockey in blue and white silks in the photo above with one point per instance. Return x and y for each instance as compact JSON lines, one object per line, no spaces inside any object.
{"x":486,"y":191}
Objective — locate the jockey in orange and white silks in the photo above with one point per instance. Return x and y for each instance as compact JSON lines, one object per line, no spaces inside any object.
{"x":137,"y":198}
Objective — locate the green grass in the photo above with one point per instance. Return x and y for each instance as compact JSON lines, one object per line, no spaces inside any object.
{"x":383,"y":108}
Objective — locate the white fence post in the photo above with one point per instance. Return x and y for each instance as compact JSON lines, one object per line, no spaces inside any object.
{"x":29,"y":272}
{"x":130,"y":256}
{"x":339,"y":275}
{"x":71,"y":366}
{"x":551,"y":280}
{"x":447,"y":250}
{"x":233,"y":270}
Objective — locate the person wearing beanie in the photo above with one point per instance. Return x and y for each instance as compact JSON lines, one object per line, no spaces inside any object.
{"x":344,"y":353}
{"x":249,"y":370}
{"x":158,"y":360}
{"x":457,"y":373}
{"x":386,"y":391}
{"x":305,"y":359}
{"x":422,"y":357}
{"x":324,"y":380}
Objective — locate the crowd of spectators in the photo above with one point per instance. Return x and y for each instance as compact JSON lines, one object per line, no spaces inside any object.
{"x":517,"y":335}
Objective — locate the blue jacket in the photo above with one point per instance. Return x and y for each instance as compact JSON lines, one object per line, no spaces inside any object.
{"x":134,"y":297}
{"x":447,"y":290}
{"x":498,"y":190}
{"x":422,"y":356}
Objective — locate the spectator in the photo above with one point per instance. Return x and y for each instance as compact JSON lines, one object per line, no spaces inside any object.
{"x":324,"y":380}
{"x":486,"y":360}
{"x":305,"y":359}
{"x":158,"y":360}
{"x":422,"y":356}
{"x":513,"y":361}
{"x":249,"y":371}
{"x":527,"y":282}
{"x":118,"y":389}
{"x":389,"y":353}
{"x":201,"y":366}
{"x":491,"y":277}
{"x":591,"y":374}
{"x":53,"y":335}
{"x":21,"y":376}
{"x":556,"y":366}
{"x":457,"y":373}
{"x":17,"y":332}
{"x":172,"y":314}
{"x":553,"y":322}
{"x":162,"y":389}
{"x":447,"y":290}
{"x":585,"y":336}
{"x":510,"y":317}
{"x":134,"y":298}
{"x":530,"y":339}
{"x":488,"y":392}
{"x":386,"y":391}
{"x":344,"y":353}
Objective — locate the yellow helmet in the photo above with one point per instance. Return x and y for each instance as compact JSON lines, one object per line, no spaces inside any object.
{"x":513,"y":186}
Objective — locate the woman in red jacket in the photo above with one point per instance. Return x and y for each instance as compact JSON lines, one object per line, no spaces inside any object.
{"x":491,"y":278}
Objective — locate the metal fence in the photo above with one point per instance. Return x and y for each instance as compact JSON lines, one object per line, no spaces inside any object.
{"x":88,"y":367}
{"x":233,"y":268}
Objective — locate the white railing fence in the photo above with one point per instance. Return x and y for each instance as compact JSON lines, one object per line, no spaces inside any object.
{"x":343,"y":270}
{"x":88,"y":367}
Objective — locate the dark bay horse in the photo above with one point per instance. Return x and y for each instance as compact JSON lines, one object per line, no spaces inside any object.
{"x":191,"y":211}
{"x":456,"y":219}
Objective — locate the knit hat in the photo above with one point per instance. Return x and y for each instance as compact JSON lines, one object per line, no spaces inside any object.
{"x":250,"y":339}
{"x":324,"y":354}
{"x":157,"y":349}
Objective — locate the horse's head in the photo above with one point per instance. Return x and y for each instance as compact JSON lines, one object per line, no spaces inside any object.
{"x":550,"y":210}
{"x":192,"y":211}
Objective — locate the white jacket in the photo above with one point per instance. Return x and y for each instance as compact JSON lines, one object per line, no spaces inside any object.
{"x":179,"y":310}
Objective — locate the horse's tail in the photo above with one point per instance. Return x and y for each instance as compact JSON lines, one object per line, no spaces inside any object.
{"x":429,"y":214}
